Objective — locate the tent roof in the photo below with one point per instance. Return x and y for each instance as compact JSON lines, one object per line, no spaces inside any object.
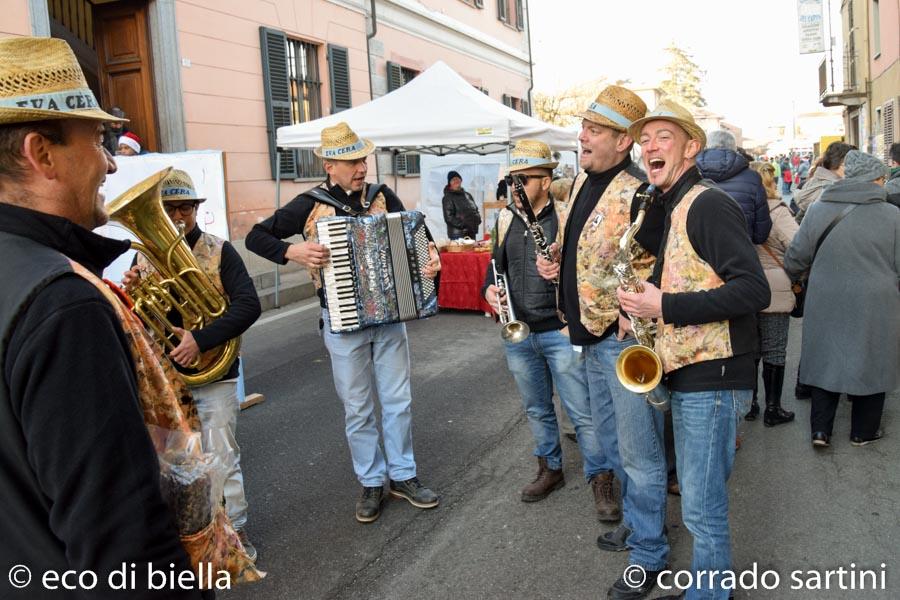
{"x":438,"y":112}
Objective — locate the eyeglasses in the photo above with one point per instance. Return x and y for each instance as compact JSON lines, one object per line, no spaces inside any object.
{"x":184,"y":208}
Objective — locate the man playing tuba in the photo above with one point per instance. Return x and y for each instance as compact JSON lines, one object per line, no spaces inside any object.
{"x":217,"y":402}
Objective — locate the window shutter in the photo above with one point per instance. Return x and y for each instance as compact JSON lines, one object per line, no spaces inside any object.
{"x":479,"y":3}
{"x":526,"y":107}
{"x":503,"y":10}
{"x":339,"y":72}
{"x":520,"y":16}
{"x":889,"y":110}
{"x":394,"y":76}
{"x":277,"y":92}
{"x":400,"y":165}
{"x":506,"y":100}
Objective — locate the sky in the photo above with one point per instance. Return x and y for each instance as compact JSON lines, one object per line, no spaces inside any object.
{"x":755,"y":76}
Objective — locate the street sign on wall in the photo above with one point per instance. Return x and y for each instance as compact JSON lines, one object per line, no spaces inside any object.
{"x":809,"y":18}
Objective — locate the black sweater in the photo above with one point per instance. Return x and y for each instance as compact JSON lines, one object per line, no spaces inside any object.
{"x":70,"y":380}
{"x":717,"y":231}
{"x":266,"y":238}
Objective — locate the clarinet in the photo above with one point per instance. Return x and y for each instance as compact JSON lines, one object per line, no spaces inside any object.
{"x":537,"y":232}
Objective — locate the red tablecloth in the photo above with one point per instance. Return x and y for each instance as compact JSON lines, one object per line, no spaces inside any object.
{"x":462,"y":275}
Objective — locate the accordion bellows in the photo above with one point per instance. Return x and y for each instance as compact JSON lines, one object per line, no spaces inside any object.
{"x":375,"y":274}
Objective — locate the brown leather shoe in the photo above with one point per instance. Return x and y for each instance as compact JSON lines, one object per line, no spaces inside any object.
{"x":546,"y":481}
{"x":606,"y":498}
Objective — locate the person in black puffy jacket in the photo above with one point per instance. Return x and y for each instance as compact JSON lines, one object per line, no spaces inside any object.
{"x":460,"y":211}
{"x":722,"y":163}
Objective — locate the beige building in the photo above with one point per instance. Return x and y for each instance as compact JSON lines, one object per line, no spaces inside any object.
{"x":207,"y":74}
{"x":870,"y":88}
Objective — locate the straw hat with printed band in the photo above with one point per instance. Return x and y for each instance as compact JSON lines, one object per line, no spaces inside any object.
{"x":531,"y":154}
{"x":40,"y":80}
{"x":341,"y":143}
{"x":667,"y":110}
{"x":615,"y":107}
{"x":179,"y":187}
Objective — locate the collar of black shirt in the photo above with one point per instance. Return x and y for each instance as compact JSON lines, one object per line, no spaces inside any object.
{"x":687,"y":180}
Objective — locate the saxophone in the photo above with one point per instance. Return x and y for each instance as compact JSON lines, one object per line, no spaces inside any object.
{"x":638,"y":367}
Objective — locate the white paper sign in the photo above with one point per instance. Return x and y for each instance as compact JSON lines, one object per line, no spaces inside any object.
{"x":206,"y":168}
{"x":809,"y":15}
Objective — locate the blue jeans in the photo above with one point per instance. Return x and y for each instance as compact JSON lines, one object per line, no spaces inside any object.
{"x":363,"y":363}
{"x":538,"y":363}
{"x":632,"y":431}
{"x":705,"y":427}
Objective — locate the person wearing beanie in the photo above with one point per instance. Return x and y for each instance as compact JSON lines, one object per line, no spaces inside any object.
{"x":852,"y":301}
{"x":460,"y":211}
{"x":129,"y":145}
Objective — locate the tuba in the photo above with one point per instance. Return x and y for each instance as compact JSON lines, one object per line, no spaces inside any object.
{"x":178,"y":283}
{"x":638,"y":367}
{"x":513,"y":331}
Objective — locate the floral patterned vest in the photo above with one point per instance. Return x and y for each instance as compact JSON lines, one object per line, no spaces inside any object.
{"x":684,"y":271}
{"x":597,"y":248}
{"x":321,"y":210}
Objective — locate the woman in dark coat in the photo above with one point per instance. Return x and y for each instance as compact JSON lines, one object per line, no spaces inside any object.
{"x":852,"y":313}
{"x":460,"y":211}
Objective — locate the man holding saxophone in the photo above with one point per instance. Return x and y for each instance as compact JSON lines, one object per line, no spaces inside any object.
{"x":217,"y":402}
{"x":706,"y":289}
{"x":545,"y":357}
{"x":603,"y":203}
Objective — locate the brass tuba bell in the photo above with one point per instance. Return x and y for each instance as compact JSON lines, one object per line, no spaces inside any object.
{"x":178,"y":283}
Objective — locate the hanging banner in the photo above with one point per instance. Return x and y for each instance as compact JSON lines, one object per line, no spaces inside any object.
{"x":812,"y":37}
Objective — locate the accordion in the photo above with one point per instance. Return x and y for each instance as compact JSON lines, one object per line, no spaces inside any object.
{"x":375,"y":274}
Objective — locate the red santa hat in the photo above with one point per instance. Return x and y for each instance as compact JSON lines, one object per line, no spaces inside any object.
{"x":131,"y":140}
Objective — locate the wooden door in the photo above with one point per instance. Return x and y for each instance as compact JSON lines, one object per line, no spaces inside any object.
{"x":123,"y":51}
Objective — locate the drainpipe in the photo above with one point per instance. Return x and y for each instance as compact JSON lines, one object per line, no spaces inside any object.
{"x":530,"y":66}
{"x":369,"y":37}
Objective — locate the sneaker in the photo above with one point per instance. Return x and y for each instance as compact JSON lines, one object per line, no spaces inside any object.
{"x":368,"y":507}
{"x":627,"y":590}
{"x":820,"y":439}
{"x":614,"y":541}
{"x":249,"y":548}
{"x":414,"y":492}
{"x":856,"y":441}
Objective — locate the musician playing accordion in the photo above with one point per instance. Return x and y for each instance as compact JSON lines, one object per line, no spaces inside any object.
{"x":367,"y":362}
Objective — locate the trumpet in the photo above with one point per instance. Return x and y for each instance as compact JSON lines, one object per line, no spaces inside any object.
{"x":512,"y":330}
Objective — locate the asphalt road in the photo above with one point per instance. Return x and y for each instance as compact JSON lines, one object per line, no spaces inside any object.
{"x":793,"y":510}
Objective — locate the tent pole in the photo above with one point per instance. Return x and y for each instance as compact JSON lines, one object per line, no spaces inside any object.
{"x":277,"y":206}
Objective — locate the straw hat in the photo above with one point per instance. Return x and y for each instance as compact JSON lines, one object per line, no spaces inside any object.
{"x":616,"y":107}
{"x":341,"y":143}
{"x":179,"y":187}
{"x":40,"y":79}
{"x":667,"y":110}
{"x":531,"y":154}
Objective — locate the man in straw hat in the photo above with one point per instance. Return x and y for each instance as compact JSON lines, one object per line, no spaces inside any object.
{"x":217,"y":402}
{"x":546,"y":350}
{"x":706,"y":289}
{"x":364,"y":362}
{"x":603,"y":203}
{"x":80,"y":474}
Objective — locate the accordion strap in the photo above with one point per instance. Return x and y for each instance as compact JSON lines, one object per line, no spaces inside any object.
{"x":324,"y":197}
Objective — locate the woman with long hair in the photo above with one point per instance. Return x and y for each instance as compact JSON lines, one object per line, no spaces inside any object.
{"x":774,"y":320}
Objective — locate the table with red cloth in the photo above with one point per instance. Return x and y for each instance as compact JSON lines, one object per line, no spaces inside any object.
{"x":462,"y":275}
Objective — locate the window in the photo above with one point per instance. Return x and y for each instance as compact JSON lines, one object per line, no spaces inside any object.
{"x":306,"y":98}
{"x":407,"y":164}
{"x":475,"y":3}
{"x":876,"y":28}
{"x":518,"y":104}
{"x":482,"y":90}
{"x":399,"y":76}
{"x":512,"y":13}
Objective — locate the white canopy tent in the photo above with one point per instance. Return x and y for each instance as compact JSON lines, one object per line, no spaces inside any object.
{"x":438,"y":112}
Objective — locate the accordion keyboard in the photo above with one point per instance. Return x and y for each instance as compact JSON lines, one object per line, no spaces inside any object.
{"x":338,"y":275}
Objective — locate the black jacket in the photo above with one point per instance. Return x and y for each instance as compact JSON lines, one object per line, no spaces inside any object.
{"x":534,"y":298}
{"x":718,"y":233}
{"x":460,"y":214}
{"x":78,"y":473}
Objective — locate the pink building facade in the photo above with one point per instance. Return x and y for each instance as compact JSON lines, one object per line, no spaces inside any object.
{"x":223,"y":74}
